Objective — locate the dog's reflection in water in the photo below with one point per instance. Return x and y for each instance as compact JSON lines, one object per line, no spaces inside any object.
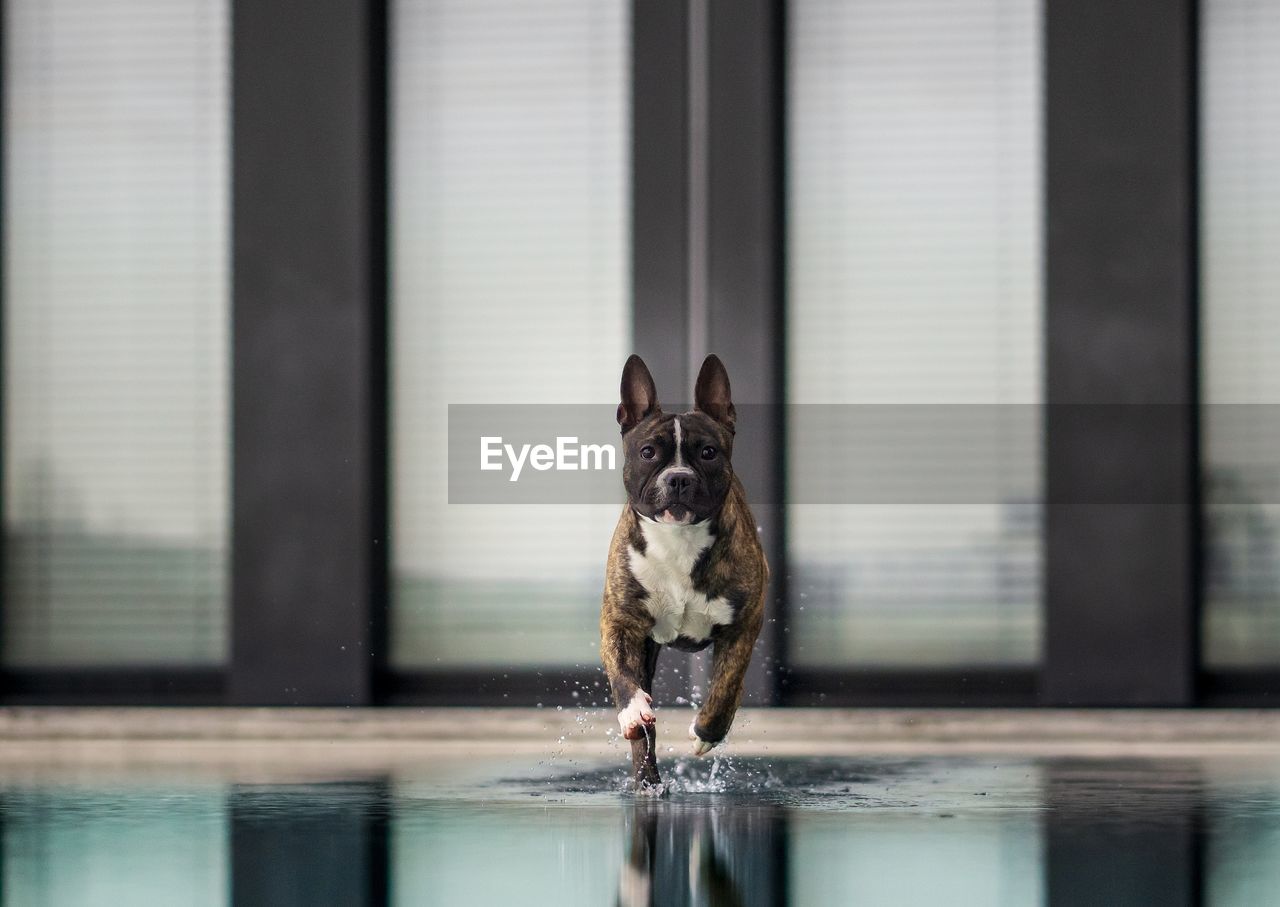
{"x":677,"y":853}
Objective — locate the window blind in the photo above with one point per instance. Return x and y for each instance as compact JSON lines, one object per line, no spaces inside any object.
{"x":510,"y":271}
{"x":115,"y":340}
{"x":1240,"y":273}
{"x":914,"y":258}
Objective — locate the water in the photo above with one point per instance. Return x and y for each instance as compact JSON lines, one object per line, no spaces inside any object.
{"x":953,"y":831}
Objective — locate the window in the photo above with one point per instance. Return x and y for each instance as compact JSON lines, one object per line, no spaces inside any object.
{"x":1240,"y":227}
{"x":914,"y":265}
{"x":115,"y":336}
{"x":510,"y":277}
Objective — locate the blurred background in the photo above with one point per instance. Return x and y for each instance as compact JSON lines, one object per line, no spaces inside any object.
{"x":252,"y":252}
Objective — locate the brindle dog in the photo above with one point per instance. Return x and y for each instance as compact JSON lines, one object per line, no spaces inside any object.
{"x":686,"y":568}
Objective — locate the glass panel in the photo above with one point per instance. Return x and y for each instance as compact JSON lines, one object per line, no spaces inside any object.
{"x":509,"y":285}
{"x":1240,"y":230}
{"x":115,"y":346}
{"x":914,"y":263}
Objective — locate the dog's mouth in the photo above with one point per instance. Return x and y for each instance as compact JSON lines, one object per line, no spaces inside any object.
{"x":676,"y":514}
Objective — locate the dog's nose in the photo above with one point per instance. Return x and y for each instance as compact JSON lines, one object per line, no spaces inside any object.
{"x":680,"y":480}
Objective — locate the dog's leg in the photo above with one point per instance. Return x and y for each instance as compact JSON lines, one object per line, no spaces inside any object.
{"x":644,"y":751}
{"x":630,"y":658}
{"x":728,"y":670}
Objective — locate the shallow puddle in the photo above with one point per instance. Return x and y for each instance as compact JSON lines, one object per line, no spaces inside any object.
{"x":728,"y":831}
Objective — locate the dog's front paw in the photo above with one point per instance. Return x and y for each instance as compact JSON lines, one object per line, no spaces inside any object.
{"x":700,"y":746}
{"x":637,"y":716}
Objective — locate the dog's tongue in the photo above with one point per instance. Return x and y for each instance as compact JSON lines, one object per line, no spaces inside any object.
{"x":678,"y":513}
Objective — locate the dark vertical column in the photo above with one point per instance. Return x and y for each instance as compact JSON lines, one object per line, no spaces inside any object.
{"x":707,"y":239}
{"x":745,"y":273}
{"x":660,"y":193}
{"x":660,"y":224}
{"x":1124,"y":833}
{"x":4,"y":225}
{"x":309,"y":307}
{"x":302,"y":845}
{"x":1121,"y":450}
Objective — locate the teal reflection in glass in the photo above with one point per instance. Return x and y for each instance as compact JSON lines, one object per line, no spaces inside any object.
{"x":733,"y":831}
{"x":91,"y":847}
{"x":505,"y":855}
{"x":913,"y":859}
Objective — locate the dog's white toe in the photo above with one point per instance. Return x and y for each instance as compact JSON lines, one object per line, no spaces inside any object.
{"x":700,"y":746}
{"x":636,"y":715}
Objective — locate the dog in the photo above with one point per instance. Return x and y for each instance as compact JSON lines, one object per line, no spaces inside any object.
{"x":686,"y":568}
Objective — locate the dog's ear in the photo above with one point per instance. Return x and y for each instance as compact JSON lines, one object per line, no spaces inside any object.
{"x":639,"y":396}
{"x":711,"y":393}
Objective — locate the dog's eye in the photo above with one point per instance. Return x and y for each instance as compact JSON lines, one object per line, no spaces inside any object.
{"x":708,"y":453}
{"x":648,"y":452}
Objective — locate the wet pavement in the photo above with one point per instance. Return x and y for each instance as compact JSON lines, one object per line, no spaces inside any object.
{"x":734,"y":830}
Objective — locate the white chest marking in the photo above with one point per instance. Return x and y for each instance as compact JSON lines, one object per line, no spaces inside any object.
{"x":664,"y":571}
